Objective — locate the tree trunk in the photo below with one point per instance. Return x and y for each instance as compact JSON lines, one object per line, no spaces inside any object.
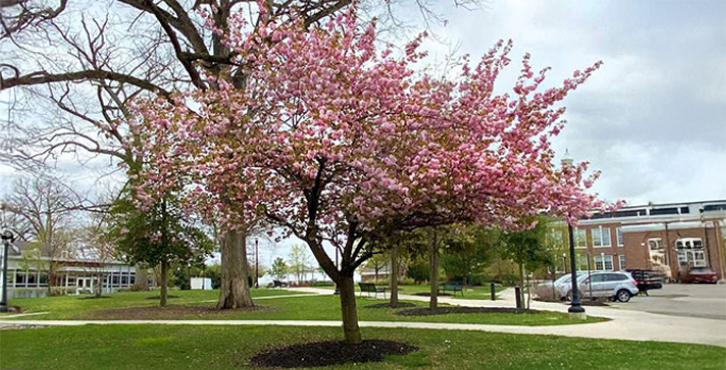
{"x":434,"y":265}
{"x":394,"y":276}
{"x":234,"y":291}
{"x":521,"y":281}
{"x":164,"y":283}
{"x":99,"y":284}
{"x":142,"y":278}
{"x":349,"y":310}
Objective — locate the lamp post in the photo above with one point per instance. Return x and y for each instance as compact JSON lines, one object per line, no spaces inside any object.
{"x":7,"y":238}
{"x":257,"y":264}
{"x":564,"y":262}
{"x":576,"y":310}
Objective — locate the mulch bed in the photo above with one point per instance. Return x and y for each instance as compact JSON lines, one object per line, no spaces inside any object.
{"x":388,"y":305}
{"x":159,"y":297}
{"x":425,"y":311}
{"x":94,"y":297}
{"x":330,"y":353}
{"x":167,"y":313}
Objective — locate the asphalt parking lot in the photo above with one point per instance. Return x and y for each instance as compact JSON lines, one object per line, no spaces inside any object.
{"x":687,"y":300}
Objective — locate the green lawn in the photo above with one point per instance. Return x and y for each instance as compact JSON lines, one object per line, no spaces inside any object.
{"x":313,"y":307}
{"x":66,"y":307}
{"x":224,"y":347}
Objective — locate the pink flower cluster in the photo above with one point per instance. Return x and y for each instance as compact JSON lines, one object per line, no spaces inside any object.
{"x":329,"y":131}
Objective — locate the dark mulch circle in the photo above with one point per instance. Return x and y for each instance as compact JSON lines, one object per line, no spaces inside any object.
{"x":165,"y":313}
{"x":388,"y":305}
{"x":159,"y":297}
{"x":14,"y":309}
{"x":425,"y":294}
{"x":94,"y":297}
{"x":425,"y":311}
{"x":330,"y":353}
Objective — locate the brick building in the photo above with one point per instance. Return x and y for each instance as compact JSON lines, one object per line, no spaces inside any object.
{"x":671,"y":238}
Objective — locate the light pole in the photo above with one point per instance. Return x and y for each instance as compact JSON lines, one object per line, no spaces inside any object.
{"x":257,"y":264}
{"x":576,"y":309}
{"x":7,"y":238}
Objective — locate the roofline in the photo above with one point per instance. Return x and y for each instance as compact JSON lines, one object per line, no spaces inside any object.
{"x":674,"y":204}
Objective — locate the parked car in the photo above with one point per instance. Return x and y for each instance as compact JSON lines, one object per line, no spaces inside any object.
{"x":616,"y":285}
{"x":700,"y":275}
{"x":556,"y":290}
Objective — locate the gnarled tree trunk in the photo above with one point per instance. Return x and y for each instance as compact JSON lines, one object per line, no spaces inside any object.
{"x":434,"y":265}
{"x":349,"y":309}
{"x":394,"y":276}
{"x":234,"y":291}
{"x":164,"y":283}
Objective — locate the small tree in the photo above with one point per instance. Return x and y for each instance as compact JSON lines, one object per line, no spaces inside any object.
{"x":158,"y":235}
{"x":279,"y":268}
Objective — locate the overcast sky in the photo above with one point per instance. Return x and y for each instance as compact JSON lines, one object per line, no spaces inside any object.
{"x":653,"y":118}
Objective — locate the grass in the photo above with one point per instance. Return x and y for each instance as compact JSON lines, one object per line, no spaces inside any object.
{"x":69,"y":306}
{"x":313,"y":307}
{"x":221,"y":347}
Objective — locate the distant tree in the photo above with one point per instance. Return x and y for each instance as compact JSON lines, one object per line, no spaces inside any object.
{"x":418,"y":270}
{"x":279,"y":268}
{"x":43,"y":206}
{"x":299,"y":261}
{"x":377,"y":263}
{"x":469,"y":250}
{"x":529,"y":249}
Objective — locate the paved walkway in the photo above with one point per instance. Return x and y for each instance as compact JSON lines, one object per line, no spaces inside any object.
{"x":624,"y":324}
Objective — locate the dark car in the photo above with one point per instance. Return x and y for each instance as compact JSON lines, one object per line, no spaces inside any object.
{"x":700,"y":275}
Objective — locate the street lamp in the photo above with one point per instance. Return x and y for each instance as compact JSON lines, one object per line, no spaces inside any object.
{"x":7,"y":238}
{"x":576,"y":309}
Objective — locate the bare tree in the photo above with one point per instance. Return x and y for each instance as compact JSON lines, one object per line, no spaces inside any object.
{"x":44,"y":205}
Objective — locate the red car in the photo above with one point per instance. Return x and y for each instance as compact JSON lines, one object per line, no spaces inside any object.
{"x":700,"y":275}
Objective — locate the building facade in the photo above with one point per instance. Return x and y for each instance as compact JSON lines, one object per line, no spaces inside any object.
{"x":671,"y":238}
{"x":30,"y":276}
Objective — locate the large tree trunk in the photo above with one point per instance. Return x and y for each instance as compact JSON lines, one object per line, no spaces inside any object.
{"x":164,"y":283}
{"x":349,"y":310}
{"x":394,"y":276}
{"x":99,"y":284}
{"x":234,"y":291}
{"x":434,"y":265}
{"x":142,"y":278}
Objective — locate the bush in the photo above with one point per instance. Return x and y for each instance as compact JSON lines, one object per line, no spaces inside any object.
{"x":418,"y":272}
{"x":322,"y":284}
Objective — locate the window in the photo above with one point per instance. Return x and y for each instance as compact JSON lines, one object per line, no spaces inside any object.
{"x":580,"y":238}
{"x":621,"y":262}
{"x":606,"y":266}
{"x":601,"y":237}
{"x":621,"y":239}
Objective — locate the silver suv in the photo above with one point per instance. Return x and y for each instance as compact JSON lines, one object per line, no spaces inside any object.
{"x":606,"y":284}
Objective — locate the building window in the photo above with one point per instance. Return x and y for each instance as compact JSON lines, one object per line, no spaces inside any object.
{"x":601,"y":237}
{"x":621,"y":239}
{"x":580,"y":238}
{"x":621,"y":262}
{"x":691,"y":253}
{"x":606,"y":266}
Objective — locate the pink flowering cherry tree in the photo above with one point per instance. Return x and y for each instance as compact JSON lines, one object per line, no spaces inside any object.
{"x":338,"y":143}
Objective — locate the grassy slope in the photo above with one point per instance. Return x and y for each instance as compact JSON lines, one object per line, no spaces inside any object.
{"x":206,"y":347}
{"x":299,"y":308}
